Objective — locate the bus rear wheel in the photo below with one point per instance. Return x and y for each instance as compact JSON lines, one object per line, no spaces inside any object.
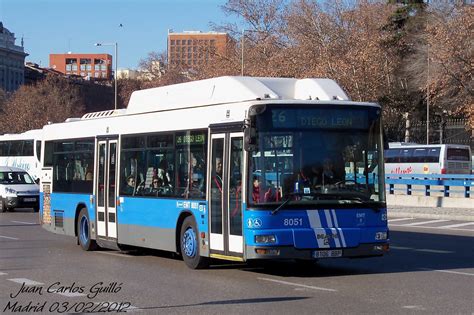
{"x":190,"y":245}
{"x":83,"y":231}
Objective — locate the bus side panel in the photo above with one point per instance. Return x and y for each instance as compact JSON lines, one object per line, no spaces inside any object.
{"x":152,"y":222}
{"x":63,"y":212}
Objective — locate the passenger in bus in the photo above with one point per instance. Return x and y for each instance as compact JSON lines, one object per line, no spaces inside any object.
{"x":130,"y":187}
{"x":264,"y":194}
{"x":197,"y":176}
{"x":163,"y":173}
{"x":217,"y":177}
{"x":155,"y":187}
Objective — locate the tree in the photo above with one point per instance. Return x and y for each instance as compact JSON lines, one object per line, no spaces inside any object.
{"x":153,"y":66}
{"x":52,"y":100}
{"x":125,"y":89}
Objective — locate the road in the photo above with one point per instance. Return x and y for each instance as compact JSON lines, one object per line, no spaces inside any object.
{"x":430,"y":269}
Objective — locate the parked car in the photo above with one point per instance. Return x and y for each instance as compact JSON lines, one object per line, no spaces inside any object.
{"x":17,"y":189}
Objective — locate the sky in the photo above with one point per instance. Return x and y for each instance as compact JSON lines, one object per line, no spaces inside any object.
{"x":61,"y":26}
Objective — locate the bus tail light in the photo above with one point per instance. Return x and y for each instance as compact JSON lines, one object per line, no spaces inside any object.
{"x":443,"y":171}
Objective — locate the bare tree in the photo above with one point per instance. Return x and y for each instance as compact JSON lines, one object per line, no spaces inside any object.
{"x":52,"y":100}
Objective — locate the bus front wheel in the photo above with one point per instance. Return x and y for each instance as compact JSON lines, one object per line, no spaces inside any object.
{"x":83,"y":231}
{"x":190,"y":245}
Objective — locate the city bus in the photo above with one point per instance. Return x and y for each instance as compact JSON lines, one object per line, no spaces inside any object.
{"x":232,"y":168}
{"x":22,"y":150}
{"x":410,"y":158}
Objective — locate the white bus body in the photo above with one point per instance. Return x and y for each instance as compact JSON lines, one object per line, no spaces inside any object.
{"x":22,"y":150}
{"x":427,"y":159}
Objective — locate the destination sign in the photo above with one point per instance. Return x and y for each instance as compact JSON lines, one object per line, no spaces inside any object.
{"x":191,"y":139}
{"x":320,"y":118}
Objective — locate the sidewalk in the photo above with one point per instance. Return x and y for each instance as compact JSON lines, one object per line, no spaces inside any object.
{"x":461,"y":214}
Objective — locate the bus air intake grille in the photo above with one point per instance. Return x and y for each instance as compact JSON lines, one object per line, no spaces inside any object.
{"x":58,"y":219}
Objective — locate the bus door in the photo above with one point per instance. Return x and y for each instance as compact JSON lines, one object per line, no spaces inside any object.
{"x":105,"y":189}
{"x":225,"y":195}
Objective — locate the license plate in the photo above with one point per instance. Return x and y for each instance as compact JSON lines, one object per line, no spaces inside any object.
{"x":327,"y":253}
{"x":29,"y":199}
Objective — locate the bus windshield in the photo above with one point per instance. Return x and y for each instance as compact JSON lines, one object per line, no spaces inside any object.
{"x":324,"y":155}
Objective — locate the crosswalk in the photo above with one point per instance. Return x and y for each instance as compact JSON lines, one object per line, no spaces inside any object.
{"x":432,"y":224}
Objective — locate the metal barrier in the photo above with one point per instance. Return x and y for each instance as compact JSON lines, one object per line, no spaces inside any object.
{"x":446,"y":180}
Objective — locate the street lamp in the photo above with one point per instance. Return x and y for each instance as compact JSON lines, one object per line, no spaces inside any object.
{"x":116,"y":63}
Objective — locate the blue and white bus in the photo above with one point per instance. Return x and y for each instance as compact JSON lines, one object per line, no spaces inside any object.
{"x":233,"y":168}
{"x":22,"y":150}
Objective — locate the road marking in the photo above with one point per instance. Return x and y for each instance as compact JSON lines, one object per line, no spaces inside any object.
{"x":436,"y":251}
{"x":3,"y":274}
{"x":114,"y":254}
{"x":449,"y":271}
{"x":297,"y":284}
{"x":10,"y":238}
{"x":456,"y":225}
{"x":401,"y":247}
{"x":21,"y":222}
{"x":424,"y":222}
{"x":427,"y":250}
{"x":25,"y":281}
{"x":403,"y":219}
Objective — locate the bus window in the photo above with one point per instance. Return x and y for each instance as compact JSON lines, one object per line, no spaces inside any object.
{"x":420,"y":155}
{"x":4,"y":148}
{"x":406,"y":155}
{"x":433,"y":155}
{"x":458,"y":154}
{"x":28,"y":148}
{"x":38,"y":150}
{"x":16,"y":148}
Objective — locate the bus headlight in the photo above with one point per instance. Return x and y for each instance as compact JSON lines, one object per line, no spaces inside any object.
{"x":265,"y":239}
{"x":381,"y":236}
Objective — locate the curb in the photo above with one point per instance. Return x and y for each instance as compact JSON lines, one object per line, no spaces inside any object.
{"x":398,"y":214}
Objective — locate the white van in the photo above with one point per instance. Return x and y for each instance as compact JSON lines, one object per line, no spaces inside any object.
{"x":427,"y":159}
{"x":17,"y":189}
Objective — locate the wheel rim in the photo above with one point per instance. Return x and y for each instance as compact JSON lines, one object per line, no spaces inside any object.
{"x":189,"y":242}
{"x":84,"y":230}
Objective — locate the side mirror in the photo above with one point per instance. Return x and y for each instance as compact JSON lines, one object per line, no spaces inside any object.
{"x":250,"y":136}
{"x":37,"y":181}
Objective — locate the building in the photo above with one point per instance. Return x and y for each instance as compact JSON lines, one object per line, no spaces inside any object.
{"x":194,"y":48}
{"x":88,"y":66}
{"x":127,"y":74}
{"x":34,"y":73}
{"x":12,"y":60}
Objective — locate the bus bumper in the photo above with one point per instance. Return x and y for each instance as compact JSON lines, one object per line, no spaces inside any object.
{"x":287,"y":252}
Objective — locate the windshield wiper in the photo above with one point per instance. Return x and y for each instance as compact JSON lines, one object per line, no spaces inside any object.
{"x":284,"y":203}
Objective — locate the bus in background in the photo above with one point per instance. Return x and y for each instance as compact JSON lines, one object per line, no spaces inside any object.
{"x":233,"y":168}
{"x":22,"y":150}
{"x":403,"y":158}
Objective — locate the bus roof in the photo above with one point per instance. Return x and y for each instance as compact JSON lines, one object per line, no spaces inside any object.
{"x":232,"y":89}
{"x":30,"y":134}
